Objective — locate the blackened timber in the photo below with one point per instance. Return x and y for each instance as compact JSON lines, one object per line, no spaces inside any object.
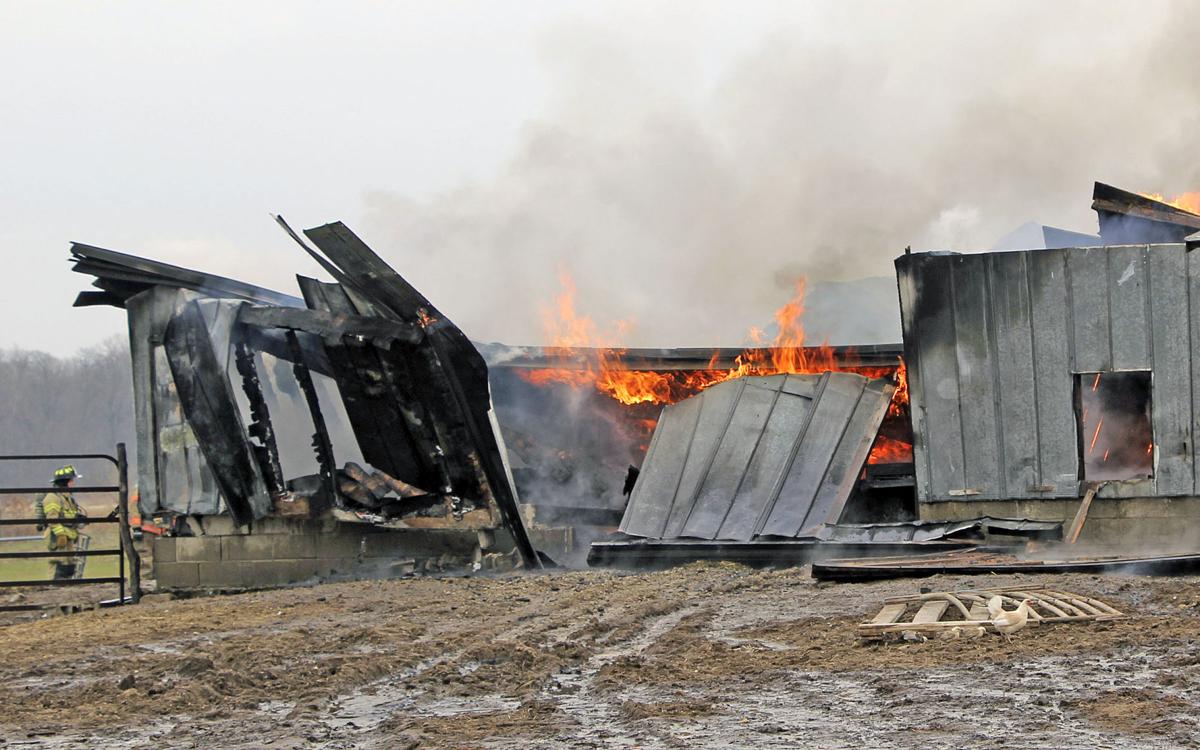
{"x":453,"y":362}
{"x":267,"y":451}
{"x":329,"y":325}
{"x":388,"y":424}
{"x":275,"y":343}
{"x":99,"y":299}
{"x":209,"y":405}
{"x":320,"y":441}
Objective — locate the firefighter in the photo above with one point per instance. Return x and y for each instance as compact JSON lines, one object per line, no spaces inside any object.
{"x":58,"y":506}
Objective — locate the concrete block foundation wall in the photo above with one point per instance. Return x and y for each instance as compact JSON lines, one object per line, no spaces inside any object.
{"x":285,"y":551}
{"x":1160,"y":524}
{"x":279,"y":552}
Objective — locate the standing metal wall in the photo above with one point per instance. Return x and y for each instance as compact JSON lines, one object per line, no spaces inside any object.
{"x":172,"y":473}
{"x":992,"y":343}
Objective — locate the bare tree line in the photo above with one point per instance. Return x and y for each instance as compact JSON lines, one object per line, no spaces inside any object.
{"x":78,"y":404}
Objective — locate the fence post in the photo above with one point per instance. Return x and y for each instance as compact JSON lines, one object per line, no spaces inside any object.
{"x":135,"y":560}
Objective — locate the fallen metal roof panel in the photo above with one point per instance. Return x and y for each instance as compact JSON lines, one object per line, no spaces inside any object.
{"x":758,"y":456}
{"x":989,"y":561}
{"x":658,"y":553}
{"x":922,"y":531}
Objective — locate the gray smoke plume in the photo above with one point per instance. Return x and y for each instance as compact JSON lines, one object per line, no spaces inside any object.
{"x":690,"y":199}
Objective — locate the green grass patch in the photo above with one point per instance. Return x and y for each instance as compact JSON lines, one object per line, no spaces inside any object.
{"x":104,"y":536}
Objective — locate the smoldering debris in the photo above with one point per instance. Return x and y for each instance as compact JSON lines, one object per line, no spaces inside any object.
{"x":384,"y":379}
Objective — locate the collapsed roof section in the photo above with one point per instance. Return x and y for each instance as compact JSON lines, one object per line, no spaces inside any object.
{"x":227,"y":375}
{"x":769,"y":456}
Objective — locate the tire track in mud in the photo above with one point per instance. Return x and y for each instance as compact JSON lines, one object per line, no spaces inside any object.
{"x":597,"y":626}
{"x":705,"y":656}
{"x":597,"y":712}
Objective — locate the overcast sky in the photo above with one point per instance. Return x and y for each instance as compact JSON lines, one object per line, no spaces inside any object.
{"x":684,"y":162}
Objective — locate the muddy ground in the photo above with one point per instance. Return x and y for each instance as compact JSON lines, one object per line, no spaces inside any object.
{"x":701,"y":656}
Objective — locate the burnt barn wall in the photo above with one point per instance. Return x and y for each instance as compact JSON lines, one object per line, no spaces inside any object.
{"x":993,"y":342}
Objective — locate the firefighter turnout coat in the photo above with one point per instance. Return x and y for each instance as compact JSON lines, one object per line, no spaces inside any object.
{"x":60,"y":506}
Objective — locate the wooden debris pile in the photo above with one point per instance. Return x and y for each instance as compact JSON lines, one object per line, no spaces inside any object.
{"x":939,"y":614}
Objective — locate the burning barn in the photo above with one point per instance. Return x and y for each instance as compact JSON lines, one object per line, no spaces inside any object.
{"x":338,"y":432}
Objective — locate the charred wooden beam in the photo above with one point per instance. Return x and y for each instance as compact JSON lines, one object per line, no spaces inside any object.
{"x":332,"y":326}
{"x":390,"y":425}
{"x":320,"y":441}
{"x":267,"y":451}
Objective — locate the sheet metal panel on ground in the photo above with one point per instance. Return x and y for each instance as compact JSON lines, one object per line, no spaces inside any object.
{"x":769,"y":456}
{"x":828,"y":541}
{"x":993,"y":341}
{"x":982,"y":561}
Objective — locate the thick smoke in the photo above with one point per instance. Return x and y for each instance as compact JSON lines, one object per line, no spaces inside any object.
{"x":690,"y":199}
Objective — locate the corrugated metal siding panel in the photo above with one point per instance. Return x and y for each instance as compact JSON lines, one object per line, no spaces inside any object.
{"x":1087,"y":270}
{"x":993,"y":342}
{"x":716,"y":410}
{"x":939,"y":374}
{"x":977,"y":378}
{"x":731,"y":460}
{"x":1129,"y":305}
{"x":772,"y":455}
{"x":1193,"y":279}
{"x":757,"y":456}
{"x":1050,"y":321}
{"x":1172,"y":379}
{"x":910,"y":328}
{"x":850,"y":453}
{"x":1016,"y":391}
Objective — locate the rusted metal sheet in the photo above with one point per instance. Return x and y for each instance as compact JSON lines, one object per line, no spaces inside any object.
{"x":755,"y":457}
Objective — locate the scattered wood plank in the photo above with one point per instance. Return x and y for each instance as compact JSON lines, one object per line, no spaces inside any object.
{"x":931,"y":611}
{"x":1081,"y":514}
{"x":889,"y":614}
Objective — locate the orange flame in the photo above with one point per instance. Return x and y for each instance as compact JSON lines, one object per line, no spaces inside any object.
{"x":589,"y":357}
{"x":1189,"y":202}
{"x":888,"y":450}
